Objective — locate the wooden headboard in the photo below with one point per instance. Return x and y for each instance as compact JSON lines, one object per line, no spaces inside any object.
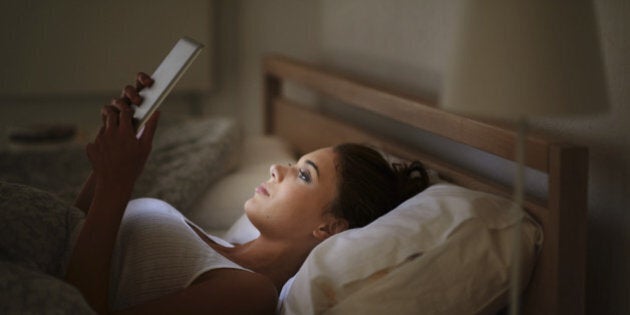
{"x":558,"y":283}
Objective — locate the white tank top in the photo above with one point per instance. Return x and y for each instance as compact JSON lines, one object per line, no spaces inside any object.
{"x":158,"y":253}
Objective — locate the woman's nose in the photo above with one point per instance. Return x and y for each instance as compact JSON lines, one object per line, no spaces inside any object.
{"x":276,"y":172}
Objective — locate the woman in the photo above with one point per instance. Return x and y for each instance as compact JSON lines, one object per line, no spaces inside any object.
{"x":326,"y":192}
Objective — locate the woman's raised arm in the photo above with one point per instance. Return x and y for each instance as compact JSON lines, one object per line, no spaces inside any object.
{"x":117,"y":158}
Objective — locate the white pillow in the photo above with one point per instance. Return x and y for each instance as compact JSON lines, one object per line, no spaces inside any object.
{"x":447,"y":250}
{"x":242,"y":231}
{"x":222,"y":204}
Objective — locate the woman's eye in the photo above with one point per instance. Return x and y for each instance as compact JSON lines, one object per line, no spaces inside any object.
{"x":304,"y":175}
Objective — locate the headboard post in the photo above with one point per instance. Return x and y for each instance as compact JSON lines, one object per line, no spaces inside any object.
{"x":568,"y":191}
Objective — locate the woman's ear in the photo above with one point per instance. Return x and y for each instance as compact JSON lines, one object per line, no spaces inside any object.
{"x":330,"y":227}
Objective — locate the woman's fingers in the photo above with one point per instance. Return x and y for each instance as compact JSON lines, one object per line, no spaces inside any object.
{"x":111,"y":116}
{"x":125,"y":121}
{"x":143,"y":80}
{"x":130,"y":95}
{"x":117,"y":115}
{"x":121,"y":104}
{"x":119,"y":112}
{"x":149,"y":129}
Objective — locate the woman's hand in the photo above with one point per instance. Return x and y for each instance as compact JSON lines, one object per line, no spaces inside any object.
{"x":129,"y":96}
{"x":117,"y":156}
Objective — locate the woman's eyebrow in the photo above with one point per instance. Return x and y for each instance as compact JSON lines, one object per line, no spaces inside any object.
{"x":311,"y":163}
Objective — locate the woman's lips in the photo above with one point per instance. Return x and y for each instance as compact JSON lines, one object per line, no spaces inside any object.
{"x":262,"y":190}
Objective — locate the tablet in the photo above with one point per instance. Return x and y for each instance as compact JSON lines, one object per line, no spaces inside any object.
{"x":165,"y":77}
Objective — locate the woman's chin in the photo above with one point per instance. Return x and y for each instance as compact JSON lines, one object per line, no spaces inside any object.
{"x":250,"y":207}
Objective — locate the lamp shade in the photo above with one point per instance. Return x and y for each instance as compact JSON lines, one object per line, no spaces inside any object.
{"x":526,"y":58}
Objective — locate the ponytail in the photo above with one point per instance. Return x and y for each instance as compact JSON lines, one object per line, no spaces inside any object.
{"x":411,"y":179}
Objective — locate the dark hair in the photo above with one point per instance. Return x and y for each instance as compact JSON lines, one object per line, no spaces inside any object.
{"x":369,"y":186}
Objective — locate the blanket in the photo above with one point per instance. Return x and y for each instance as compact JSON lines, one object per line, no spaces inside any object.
{"x":37,"y":220}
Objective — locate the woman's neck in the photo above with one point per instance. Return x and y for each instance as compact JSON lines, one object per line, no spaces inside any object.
{"x":278,"y":260}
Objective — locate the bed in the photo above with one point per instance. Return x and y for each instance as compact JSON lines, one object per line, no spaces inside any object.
{"x":233,"y":164}
{"x":557,"y":283}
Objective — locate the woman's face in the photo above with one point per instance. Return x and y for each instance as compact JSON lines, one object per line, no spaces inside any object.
{"x":293,"y":202}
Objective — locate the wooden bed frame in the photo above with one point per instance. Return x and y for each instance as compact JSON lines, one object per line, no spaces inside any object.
{"x":558,"y":283}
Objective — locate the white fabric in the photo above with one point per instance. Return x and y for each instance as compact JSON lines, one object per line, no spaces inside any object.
{"x":447,"y":250}
{"x":157,"y":252}
{"x":221,"y":205}
{"x":242,"y":231}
